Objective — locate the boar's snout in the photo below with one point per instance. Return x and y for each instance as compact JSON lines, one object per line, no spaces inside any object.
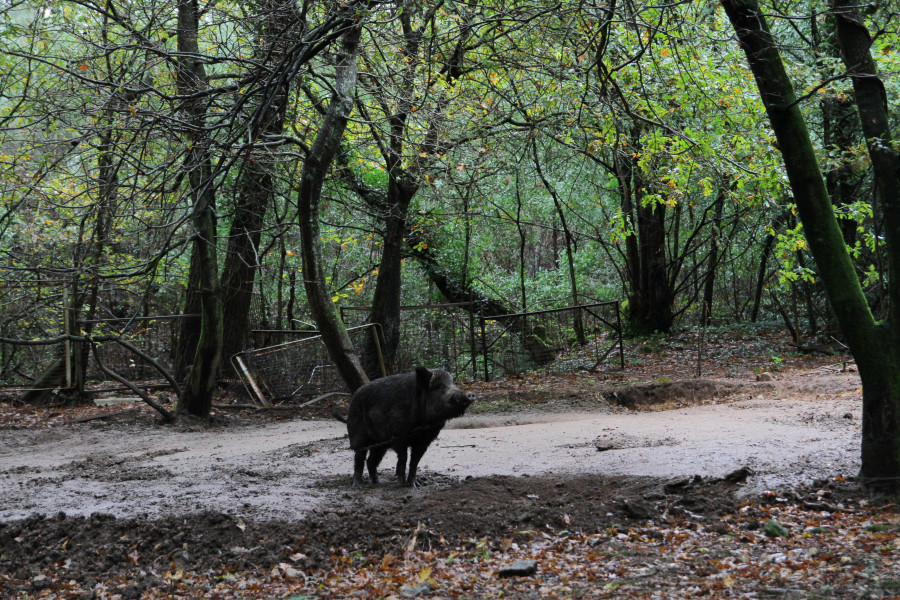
{"x":462,"y":400}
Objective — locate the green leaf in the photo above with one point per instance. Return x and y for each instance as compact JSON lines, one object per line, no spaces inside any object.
{"x":775,"y":529}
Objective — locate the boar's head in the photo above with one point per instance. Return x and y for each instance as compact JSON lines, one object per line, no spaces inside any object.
{"x":439,"y":396}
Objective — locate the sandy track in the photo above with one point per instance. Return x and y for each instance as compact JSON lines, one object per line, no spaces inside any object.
{"x":800,"y":430}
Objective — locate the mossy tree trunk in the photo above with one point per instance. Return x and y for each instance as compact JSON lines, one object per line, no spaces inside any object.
{"x":196,"y":396}
{"x":875,"y":345}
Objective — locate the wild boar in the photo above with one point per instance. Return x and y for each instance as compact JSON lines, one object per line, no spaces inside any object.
{"x":400,"y":412}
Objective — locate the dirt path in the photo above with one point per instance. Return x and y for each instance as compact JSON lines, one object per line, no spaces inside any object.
{"x":789,"y":432}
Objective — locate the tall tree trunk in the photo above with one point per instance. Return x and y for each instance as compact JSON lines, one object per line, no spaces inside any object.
{"x":624,"y":166}
{"x":650,"y":304}
{"x":255,"y":188}
{"x":402,"y":186}
{"x":881,"y":405}
{"x":709,"y":282}
{"x":386,"y":300}
{"x":315,"y":168}
{"x":196,"y":397}
{"x":404,"y":168}
{"x":875,"y":346}
{"x":281,"y":30}
{"x":650,"y":294}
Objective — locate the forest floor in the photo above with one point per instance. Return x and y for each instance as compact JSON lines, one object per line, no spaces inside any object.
{"x":644,"y":482}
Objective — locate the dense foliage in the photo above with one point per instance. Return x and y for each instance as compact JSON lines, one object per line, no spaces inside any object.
{"x":538,"y":155}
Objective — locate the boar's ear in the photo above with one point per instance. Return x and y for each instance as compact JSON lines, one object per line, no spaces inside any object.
{"x":423,"y":378}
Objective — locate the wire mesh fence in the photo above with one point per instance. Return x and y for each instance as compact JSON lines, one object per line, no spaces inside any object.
{"x":293,"y":364}
{"x":472,"y":346}
{"x":558,"y":340}
{"x":294,"y":371}
{"x":29,"y":309}
{"x":156,"y":336}
{"x":433,"y":335}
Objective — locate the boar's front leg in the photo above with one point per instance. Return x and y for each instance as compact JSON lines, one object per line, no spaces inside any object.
{"x":401,"y":463}
{"x":375,"y":456}
{"x":359,"y":461}
{"x":416,"y":451}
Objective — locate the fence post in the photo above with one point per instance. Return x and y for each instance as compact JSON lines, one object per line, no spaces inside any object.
{"x":472,"y":348}
{"x":484,"y":345}
{"x":621,"y":344}
{"x":67,"y":345}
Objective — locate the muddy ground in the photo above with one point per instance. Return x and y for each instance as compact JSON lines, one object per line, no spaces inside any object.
{"x":127,"y":497}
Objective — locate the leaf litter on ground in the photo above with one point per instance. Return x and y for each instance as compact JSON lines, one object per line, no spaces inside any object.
{"x":829,"y":540}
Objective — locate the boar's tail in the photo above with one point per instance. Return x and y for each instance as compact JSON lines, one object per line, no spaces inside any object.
{"x":337,"y":415}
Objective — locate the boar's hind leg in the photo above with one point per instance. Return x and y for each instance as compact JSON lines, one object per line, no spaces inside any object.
{"x":375,"y":456}
{"x":359,"y":460}
{"x":415,"y":455}
{"x":401,"y":463}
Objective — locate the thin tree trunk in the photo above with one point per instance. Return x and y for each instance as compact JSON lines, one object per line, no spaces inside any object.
{"x":522,"y":241}
{"x":570,"y":243}
{"x":709,"y":283}
{"x":768,"y":245}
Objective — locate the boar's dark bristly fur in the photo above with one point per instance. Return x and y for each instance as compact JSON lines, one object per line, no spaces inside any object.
{"x":401,"y":412}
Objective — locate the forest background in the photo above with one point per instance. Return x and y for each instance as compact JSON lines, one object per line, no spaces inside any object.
{"x":257,"y":165}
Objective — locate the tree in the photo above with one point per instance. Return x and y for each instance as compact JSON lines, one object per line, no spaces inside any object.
{"x":315,"y":168}
{"x":196,"y":396}
{"x":875,"y":345}
{"x":287,"y":43}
